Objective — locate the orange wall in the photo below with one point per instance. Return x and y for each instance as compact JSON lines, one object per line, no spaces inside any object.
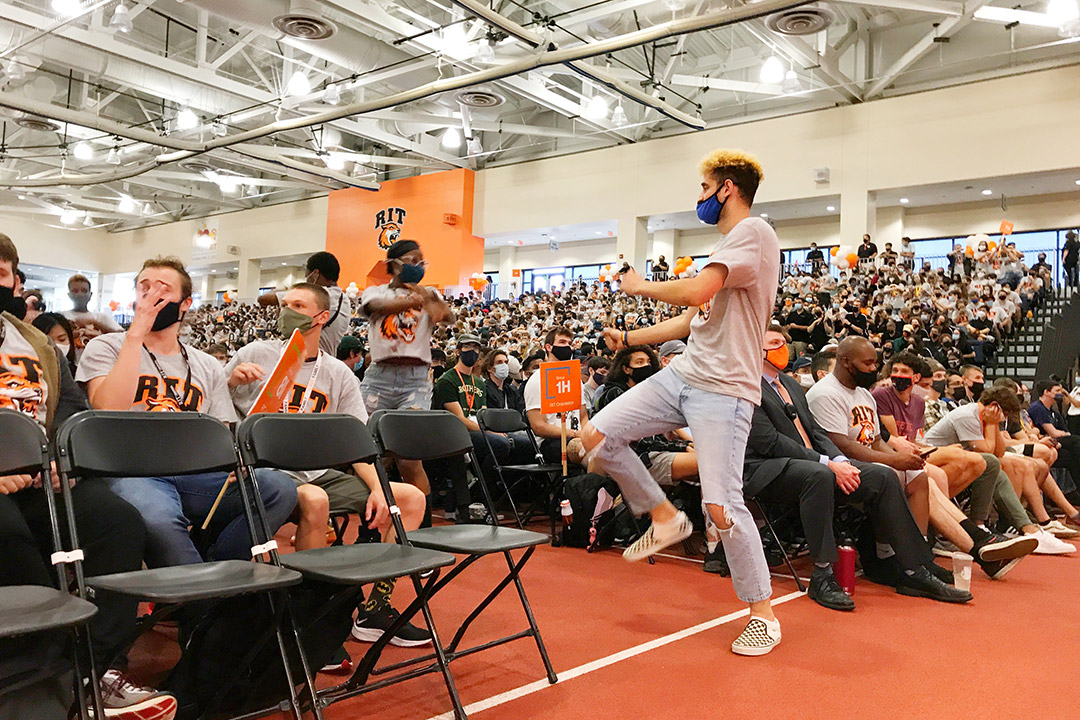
{"x":452,"y":252}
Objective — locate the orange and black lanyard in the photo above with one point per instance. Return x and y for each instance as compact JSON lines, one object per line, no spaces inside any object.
{"x":469,"y":397}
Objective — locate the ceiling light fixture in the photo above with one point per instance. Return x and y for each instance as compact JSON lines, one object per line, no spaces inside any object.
{"x":1065,"y":14}
{"x":791,"y":83}
{"x":451,"y":139}
{"x":88,"y":221}
{"x":114,"y":156}
{"x":83,"y":151}
{"x":456,"y":42}
{"x":765,"y":215}
{"x":331,"y":95}
{"x":904,"y":201}
{"x":218,"y":128}
{"x":299,"y":84}
{"x":987,"y":192}
{"x":334,"y":161}
{"x":228,"y":184}
{"x":186,"y":119}
{"x":674,"y":5}
{"x":772,"y":71}
{"x":69,"y":216}
{"x":596,"y":108}
{"x":485,"y":52}
{"x":15,"y":69}
{"x":831,"y":208}
{"x":619,"y":116}
{"x":66,"y":8}
{"x":126,"y":205}
{"x":147,"y":209}
{"x":121,"y":19}
{"x":475,"y":147}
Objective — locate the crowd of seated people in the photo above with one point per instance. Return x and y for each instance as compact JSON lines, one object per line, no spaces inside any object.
{"x":874,"y":395}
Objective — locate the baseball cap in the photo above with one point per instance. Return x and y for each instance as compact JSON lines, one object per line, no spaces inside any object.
{"x":672,"y":347}
{"x":348,"y":344}
{"x":465,"y":338}
{"x":515,"y":367}
{"x":800,"y":363}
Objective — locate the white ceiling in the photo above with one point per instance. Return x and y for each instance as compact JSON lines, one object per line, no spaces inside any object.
{"x":225,"y":60}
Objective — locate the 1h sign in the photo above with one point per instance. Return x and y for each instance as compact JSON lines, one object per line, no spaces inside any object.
{"x":560,"y":386}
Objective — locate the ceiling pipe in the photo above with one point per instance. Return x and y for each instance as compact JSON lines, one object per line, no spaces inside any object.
{"x":586,"y":70}
{"x":673,"y":28}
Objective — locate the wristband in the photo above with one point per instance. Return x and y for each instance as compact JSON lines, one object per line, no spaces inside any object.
{"x":626,"y":337}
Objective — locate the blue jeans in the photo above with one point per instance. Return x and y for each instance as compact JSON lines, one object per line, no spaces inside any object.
{"x":170,"y":505}
{"x":720,"y":425}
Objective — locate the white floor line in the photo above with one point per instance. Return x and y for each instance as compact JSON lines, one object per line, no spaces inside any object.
{"x":595,"y":665}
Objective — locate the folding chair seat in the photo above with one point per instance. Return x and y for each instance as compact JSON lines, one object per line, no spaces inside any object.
{"x":28,"y":609}
{"x":314,"y":441}
{"x":508,"y":420}
{"x":102,"y":444}
{"x":430,"y":434}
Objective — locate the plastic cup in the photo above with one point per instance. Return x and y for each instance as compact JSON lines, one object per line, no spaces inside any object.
{"x":961,"y":567}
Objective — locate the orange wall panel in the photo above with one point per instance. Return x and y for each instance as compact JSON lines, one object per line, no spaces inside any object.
{"x":361,"y":224}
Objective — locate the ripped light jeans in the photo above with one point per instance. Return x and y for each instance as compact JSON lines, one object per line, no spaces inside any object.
{"x":720,"y":425}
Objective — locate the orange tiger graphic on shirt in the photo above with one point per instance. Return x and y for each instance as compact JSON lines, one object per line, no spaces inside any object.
{"x":862,"y":417}
{"x":401,"y":326}
{"x":18,"y":392}
{"x":165,"y":404}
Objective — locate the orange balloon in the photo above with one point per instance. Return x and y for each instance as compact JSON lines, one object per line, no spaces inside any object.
{"x":991,"y":245}
{"x":113,"y":305}
{"x":852,"y":259}
{"x":834,"y":250}
{"x":969,"y":251}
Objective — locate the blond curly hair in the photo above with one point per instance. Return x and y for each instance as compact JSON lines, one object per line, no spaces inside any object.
{"x":742,"y":168}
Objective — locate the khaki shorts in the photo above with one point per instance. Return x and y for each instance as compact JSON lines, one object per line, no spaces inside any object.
{"x":347,"y":493}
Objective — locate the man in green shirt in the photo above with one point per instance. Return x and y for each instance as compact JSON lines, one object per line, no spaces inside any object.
{"x":460,"y":392}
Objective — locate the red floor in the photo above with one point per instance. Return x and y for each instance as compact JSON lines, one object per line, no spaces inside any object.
{"x":1007,"y":654}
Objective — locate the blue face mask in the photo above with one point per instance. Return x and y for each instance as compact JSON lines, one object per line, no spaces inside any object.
{"x":411,"y":274}
{"x":709,"y":209}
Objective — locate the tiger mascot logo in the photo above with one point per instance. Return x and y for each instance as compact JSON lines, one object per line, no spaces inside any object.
{"x":388,"y":235}
{"x":18,"y":393}
{"x":401,"y":326}
{"x":389,"y":223}
{"x":165,"y":404}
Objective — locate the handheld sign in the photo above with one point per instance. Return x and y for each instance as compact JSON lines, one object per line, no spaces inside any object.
{"x":560,"y":392}
{"x":277,"y":388}
{"x":1006,"y":227}
{"x":279,"y":384}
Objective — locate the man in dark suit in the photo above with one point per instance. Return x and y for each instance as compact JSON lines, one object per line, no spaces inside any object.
{"x":791,"y":460}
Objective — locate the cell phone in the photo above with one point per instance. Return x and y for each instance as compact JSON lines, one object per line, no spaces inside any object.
{"x":926,"y":452}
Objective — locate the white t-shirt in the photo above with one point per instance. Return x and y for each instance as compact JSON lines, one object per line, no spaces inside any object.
{"x":532,"y":402}
{"x":727,"y":334}
{"x":406,"y":334}
{"x":105,"y":320}
{"x":844,"y":411}
{"x":207,"y":392}
{"x":22,"y":385}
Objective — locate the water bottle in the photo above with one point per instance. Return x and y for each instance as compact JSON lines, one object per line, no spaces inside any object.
{"x":845,"y":569}
{"x":477,"y":511}
{"x":567,"y":513}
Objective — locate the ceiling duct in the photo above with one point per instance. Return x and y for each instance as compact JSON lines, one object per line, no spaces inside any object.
{"x":305,"y":23}
{"x":38,"y":124}
{"x":196,"y":166}
{"x":805,"y":20}
{"x":479,"y":98}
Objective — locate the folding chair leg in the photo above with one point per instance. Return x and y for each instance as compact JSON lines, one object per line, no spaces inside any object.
{"x":515,"y":572}
{"x":95,"y":708}
{"x":787,"y":560}
{"x":283,"y":650}
{"x":309,"y":678}
{"x":440,"y":657}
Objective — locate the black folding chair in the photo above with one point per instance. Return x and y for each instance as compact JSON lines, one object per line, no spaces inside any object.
{"x":27,"y":609}
{"x":100,"y":444}
{"x":508,"y":420}
{"x":787,"y":559}
{"x":314,"y":441}
{"x":432,"y":434}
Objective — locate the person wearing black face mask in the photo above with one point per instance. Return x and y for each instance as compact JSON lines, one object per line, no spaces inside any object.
{"x":973,"y":384}
{"x":666,"y":458}
{"x":899,"y":409}
{"x":843,"y":405}
{"x":558,"y":347}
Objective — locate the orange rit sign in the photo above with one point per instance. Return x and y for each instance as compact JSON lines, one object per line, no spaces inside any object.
{"x":1006,"y":227}
{"x":560,"y":386}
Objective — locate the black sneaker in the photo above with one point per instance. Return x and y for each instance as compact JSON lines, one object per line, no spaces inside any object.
{"x":825,"y":591}
{"x":999,"y":568}
{"x":998,"y":547}
{"x":370,"y":626}
{"x":921,"y":583}
{"x":716,"y":562}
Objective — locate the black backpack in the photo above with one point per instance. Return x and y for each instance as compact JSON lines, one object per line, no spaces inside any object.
{"x":600,"y":518}
{"x":222,"y":639}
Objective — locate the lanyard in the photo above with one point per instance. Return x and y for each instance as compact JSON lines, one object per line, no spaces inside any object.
{"x":169,"y":390}
{"x":469,"y":397}
{"x":310,"y":386}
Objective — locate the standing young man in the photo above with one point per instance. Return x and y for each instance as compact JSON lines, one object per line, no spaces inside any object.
{"x":323,"y":269}
{"x":401,"y":317}
{"x":713,"y":387}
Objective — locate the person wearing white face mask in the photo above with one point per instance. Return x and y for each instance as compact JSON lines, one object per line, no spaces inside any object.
{"x":59,"y":330}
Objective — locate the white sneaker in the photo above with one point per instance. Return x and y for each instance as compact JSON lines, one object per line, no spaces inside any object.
{"x":758,"y":638}
{"x":123,"y":700}
{"x":1059,"y":530}
{"x":658,"y":537}
{"x":1050,"y":545}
